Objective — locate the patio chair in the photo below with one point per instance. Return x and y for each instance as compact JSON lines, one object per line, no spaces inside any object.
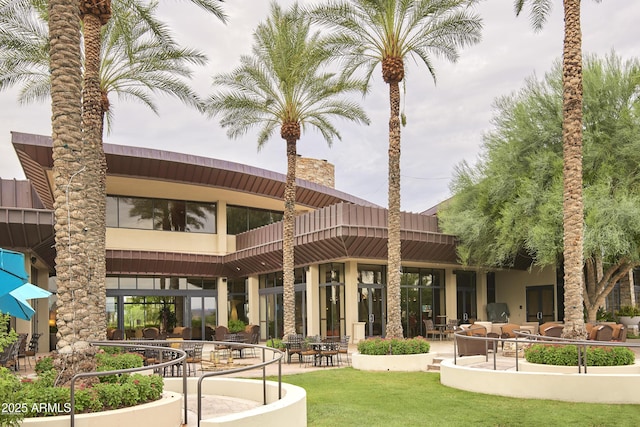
{"x":309,"y":354}
{"x":253,"y":337}
{"x":8,"y":358}
{"x":294,"y":346}
{"x":451,"y":328}
{"x":32,"y":349}
{"x":430,"y":329}
{"x":186,"y":333}
{"x":329,"y":351}
{"x":209,"y":332}
{"x":194,"y":356}
{"x":150,"y":333}
{"x":117,"y":334}
{"x":22,"y":349}
{"x":344,"y":349}
{"x":220,"y":334}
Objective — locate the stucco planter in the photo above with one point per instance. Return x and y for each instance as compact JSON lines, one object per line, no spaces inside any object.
{"x":629,"y":320}
{"x":634,"y":369}
{"x":395,"y":363}
{"x":160,"y":413}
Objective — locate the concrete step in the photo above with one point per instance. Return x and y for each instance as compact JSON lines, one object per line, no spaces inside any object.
{"x":435,"y":366}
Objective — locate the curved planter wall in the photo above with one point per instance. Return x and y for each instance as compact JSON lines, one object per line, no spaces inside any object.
{"x":544,"y":384}
{"x":166,"y":412}
{"x":291,"y":410}
{"x":395,"y":363}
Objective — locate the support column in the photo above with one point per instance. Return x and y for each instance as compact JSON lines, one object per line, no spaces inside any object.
{"x":451,"y":294}
{"x":350,"y":296}
{"x":253,"y":284}
{"x":313,"y":300}
{"x":223,"y":313}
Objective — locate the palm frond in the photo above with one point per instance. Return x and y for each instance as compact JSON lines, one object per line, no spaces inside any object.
{"x":284,"y":81}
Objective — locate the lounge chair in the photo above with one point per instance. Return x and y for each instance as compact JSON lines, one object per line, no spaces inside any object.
{"x":554,"y":331}
{"x":474,"y":347}
{"x":604,"y":333}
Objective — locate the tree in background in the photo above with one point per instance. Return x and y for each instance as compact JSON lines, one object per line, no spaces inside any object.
{"x":507,"y":205}
{"x":572,"y":203}
{"x":388,"y":32}
{"x":283,"y":85}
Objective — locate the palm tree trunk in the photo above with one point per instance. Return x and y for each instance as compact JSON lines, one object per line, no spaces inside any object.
{"x":573,"y":215}
{"x":394,"y":263}
{"x":69,"y":200}
{"x":289,"y":297}
{"x":95,"y":184}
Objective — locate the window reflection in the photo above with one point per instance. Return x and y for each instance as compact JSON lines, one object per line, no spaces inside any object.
{"x":242,"y":218}
{"x":161,"y":214}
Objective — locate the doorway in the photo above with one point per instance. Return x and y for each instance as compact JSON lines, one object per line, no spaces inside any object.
{"x":371,"y":309}
{"x":466,"y":296}
{"x":540,"y":304}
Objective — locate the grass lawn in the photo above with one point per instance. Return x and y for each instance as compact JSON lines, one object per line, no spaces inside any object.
{"x":348,"y":397}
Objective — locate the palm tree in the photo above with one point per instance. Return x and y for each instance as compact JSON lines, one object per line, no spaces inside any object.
{"x":141,"y":58}
{"x":66,"y":109}
{"x":369,"y":32}
{"x":283,"y":85}
{"x":572,"y":207}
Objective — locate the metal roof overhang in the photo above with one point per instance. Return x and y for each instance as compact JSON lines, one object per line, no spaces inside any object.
{"x":35,"y":155}
{"x":28,"y":229}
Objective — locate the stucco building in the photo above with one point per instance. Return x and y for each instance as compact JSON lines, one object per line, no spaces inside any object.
{"x":200,"y":239}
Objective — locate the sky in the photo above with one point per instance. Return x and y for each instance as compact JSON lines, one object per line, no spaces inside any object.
{"x":446,"y":120}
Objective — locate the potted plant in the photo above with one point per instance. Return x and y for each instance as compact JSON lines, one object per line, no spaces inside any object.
{"x":236,"y":326}
{"x":628,"y":315}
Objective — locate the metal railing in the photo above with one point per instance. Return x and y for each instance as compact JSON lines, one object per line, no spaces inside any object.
{"x":136,"y":345}
{"x":178,"y":356}
{"x":277,"y":356}
{"x":523,"y":338}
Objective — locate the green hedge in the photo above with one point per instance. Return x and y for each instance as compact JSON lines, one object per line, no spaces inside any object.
{"x":567,"y":355}
{"x":113,"y":391}
{"x":383,"y":346}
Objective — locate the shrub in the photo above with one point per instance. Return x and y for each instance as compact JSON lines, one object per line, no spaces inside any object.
{"x":567,"y":355}
{"x":112,"y":362}
{"x":236,"y":326}
{"x":380,"y":346}
{"x":9,"y":385}
{"x":44,"y":364}
{"x":109,"y":394}
{"x":149,"y":386}
{"x":116,"y":392}
{"x":276,"y":343}
{"x":628,"y":310}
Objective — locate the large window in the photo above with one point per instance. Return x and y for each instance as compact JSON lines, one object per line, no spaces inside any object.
{"x":238,"y":304}
{"x":422,"y":298}
{"x":272,"y":307}
{"x":160,"y":283}
{"x":242,"y":218}
{"x":161,"y":214}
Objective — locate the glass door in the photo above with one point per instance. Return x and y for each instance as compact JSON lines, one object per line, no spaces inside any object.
{"x":372,"y":309}
{"x":540,"y":304}
{"x":203,"y":317}
{"x":466,"y":296}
